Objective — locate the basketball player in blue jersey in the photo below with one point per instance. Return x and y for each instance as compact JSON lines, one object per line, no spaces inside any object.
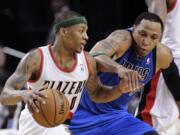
{"x":65,"y":67}
{"x":138,"y":49}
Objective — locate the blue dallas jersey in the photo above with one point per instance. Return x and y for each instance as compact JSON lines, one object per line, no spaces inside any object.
{"x":96,"y":118}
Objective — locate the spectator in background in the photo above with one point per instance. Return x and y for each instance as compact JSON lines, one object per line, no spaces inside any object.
{"x":57,"y":7}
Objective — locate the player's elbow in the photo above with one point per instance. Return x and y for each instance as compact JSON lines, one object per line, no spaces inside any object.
{"x":2,"y":98}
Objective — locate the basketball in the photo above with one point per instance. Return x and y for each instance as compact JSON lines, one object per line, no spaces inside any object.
{"x":54,"y":112}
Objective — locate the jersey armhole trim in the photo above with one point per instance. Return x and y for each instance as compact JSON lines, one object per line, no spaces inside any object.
{"x":173,"y":7}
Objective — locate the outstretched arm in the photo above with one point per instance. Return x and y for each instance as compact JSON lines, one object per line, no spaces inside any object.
{"x":108,"y":50}
{"x":158,"y":7}
{"x":111,"y":48}
{"x":99,"y":92}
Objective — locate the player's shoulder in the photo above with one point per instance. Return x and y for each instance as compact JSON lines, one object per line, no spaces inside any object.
{"x":120,"y":33}
{"x":32,"y":60}
{"x":34,"y":55}
{"x":164,"y":56}
{"x":163,"y":50}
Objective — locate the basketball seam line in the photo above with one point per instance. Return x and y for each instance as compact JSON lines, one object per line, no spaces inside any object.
{"x":55,"y":108}
{"x":45,"y":117}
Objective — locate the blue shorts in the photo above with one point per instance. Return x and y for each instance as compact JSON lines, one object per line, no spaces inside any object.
{"x":118,"y":122}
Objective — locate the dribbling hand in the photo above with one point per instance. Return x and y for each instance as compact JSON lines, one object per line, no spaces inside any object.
{"x":33,"y":97}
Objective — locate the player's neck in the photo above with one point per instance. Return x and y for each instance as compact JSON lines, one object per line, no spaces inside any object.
{"x":63,"y":57}
{"x":59,"y":48}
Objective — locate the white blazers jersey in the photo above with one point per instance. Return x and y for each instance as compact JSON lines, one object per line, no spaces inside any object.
{"x":69,"y":82}
{"x":171,"y":35}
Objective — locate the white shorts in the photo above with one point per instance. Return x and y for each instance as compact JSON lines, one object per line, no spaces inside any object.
{"x":28,"y":126}
{"x":165,"y":112}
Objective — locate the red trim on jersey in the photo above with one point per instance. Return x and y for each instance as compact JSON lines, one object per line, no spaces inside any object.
{"x":87,"y":63}
{"x":172,"y":7}
{"x":41,"y":66}
{"x":58,"y":66}
{"x":70,"y":115}
{"x":150,"y":99}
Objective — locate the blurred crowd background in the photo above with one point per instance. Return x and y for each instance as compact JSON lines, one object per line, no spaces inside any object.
{"x":26,"y":24}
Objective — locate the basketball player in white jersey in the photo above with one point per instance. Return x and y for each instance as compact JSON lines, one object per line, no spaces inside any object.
{"x":63,"y":66}
{"x":164,"y":113}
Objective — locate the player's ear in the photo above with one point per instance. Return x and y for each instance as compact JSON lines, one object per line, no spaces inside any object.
{"x":63,"y":31}
{"x":133,"y":27}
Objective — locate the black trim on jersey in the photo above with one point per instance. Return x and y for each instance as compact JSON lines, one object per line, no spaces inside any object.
{"x":154,"y":60}
{"x":172,"y":79}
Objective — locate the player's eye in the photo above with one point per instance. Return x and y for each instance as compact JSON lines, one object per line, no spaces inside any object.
{"x":142,"y":33}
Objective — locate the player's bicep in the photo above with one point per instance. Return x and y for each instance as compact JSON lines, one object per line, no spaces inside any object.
{"x":23,"y":72}
{"x":117,"y":42}
{"x":164,"y":56}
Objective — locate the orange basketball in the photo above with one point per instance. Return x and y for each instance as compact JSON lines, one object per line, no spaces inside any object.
{"x":54,"y":112}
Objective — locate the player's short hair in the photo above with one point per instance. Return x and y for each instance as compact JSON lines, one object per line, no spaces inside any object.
{"x":59,"y":17}
{"x":150,"y":17}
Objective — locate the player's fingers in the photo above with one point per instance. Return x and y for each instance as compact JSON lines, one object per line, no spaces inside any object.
{"x":33,"y":106}
{"x":125,"y":81}
{"x":30,"y":108}
{"x":130,"y":81}
{"x":136,"y":81}
{"x":133,"y":81}
{"x":43,"y":88}
{"x":41,"y":94}
{"x":124,"y":86}
{"x":38,"y":96}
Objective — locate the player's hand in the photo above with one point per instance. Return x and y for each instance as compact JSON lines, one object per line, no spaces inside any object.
{"x":130,"y":79}
{"x":33,"y":97}
{"x":124,"y":88}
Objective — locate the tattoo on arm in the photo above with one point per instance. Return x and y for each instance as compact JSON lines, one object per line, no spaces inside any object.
{"x":23,"y":72}
{"x":112,"y":44}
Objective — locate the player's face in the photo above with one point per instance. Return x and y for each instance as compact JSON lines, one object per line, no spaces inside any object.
{"x":77,"y":37}
{"x":146,"y":34}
